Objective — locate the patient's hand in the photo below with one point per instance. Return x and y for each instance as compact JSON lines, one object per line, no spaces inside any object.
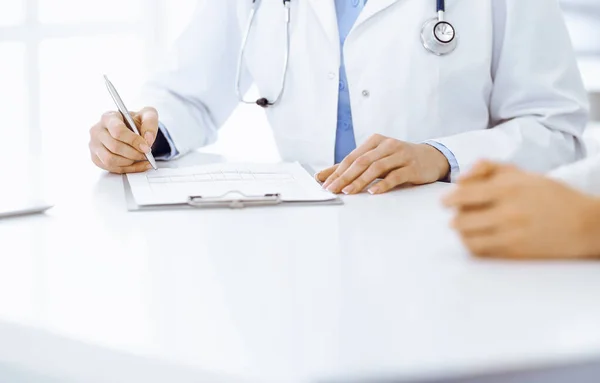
{"x":507,"y":213}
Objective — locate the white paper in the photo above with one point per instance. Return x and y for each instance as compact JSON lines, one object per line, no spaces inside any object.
{"x":175,"y":186}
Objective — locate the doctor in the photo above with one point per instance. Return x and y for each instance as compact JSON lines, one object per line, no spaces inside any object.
{"x":411,"y":91}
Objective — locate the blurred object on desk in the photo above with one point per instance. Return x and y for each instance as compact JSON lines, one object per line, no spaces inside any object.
{"x":590,"y":71}
{"x":595,"y":102}
{"x":592,"y":138}
{"x":583,"y":21}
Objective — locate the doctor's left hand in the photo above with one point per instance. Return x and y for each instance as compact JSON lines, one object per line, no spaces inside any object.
{"x":395,"y":162}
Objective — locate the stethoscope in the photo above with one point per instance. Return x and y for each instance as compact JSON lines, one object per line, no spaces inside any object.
{"x":437,"y":35}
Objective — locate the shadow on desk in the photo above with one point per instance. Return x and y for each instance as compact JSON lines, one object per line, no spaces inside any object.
{"x":12,"y":373}
{"x":577,"y":372}
{"x":29,"y":355}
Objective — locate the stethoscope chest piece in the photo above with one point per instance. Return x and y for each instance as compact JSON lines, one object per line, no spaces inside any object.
{"x":439,"y":37}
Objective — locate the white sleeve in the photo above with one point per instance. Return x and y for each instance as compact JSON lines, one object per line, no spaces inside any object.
{"x":538,"y":106}
{"x":194,"y":93}
{"x":583,"y":175}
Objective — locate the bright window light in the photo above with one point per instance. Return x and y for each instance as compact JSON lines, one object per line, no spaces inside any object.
{"x":12,"y":12}
{"x":71,"y":73}
{"x":83,"y":11}
{"x":52,"y":57}
{"x":13,"y":100}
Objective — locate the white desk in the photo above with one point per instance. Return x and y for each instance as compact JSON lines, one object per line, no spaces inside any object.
{"x":378,"y":287}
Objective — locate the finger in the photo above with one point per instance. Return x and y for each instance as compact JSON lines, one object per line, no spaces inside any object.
{"x":97,"y":161}
{"x":509,"y":243}
{"x":324,"y":174}
{"x":111,"y":115}
{"x":138,"y":167}
{"x":118,"y":147}
{"x":479,"y":221}
{"x":486,"y":244}
{"x":472,"y":195}
{"x":485,"y":170}
{"x":395,"y":178}
{"x":148,"y":124}
{"x":368,"y":168}
{"x":482,"y":169}
{"x":119,"y":131}
{"x":110,"y":160}
{"x":379,"y":169}
{"x":371,"y":144}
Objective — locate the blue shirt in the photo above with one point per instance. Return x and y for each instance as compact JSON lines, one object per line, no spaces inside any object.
{"x":345,"y":142}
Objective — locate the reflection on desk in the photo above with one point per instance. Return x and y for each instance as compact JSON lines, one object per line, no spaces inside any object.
{"x":378,"y":287}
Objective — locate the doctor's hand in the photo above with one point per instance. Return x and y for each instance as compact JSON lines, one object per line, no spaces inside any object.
{"x":395,"y":162}
{"x":504,"y":212}
{"x":115,"y":148}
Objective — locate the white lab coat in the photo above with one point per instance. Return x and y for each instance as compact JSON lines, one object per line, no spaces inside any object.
{"x":511,"y":91}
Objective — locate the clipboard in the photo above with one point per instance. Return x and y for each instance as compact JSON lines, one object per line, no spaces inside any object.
{"x":231,"y":200}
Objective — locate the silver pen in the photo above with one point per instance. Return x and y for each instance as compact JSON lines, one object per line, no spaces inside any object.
{"x":126,"y":116}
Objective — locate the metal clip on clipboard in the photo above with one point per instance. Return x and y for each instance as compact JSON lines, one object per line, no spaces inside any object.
{"x":241,"y":201}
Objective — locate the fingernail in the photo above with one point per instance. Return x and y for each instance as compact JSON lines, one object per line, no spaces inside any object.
{"x":148,"y":167}
{"x":145,"y":148}
{"x":373,"y":191}
{"x":348,"y":189}
{"x":149,"y":137}
{"x":331,"y":189}
{"x":326,"y":184}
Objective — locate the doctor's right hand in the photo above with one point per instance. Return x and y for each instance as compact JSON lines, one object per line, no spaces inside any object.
{"x":115,"y":148}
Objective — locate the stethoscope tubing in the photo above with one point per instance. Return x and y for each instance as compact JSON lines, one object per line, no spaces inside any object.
{"x":441,"y":5}
{"x":264,"y":102}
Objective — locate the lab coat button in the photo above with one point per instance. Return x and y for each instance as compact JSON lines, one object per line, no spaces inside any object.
{"x":366,"y":93}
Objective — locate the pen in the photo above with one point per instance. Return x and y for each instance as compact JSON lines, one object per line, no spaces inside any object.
{"x":126,"y":116}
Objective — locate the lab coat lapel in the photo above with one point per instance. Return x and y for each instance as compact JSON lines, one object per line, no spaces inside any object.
{"x":325,"y":11}
{"x":372,"y":8}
